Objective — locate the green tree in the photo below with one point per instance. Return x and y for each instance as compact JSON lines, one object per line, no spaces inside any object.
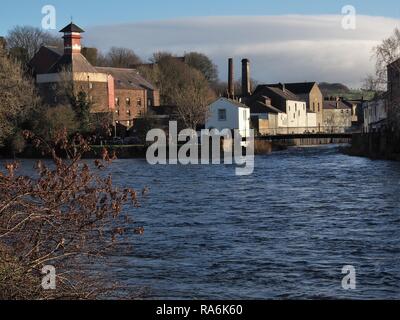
{"x":81,"y":106}
{"x":202,"y":63}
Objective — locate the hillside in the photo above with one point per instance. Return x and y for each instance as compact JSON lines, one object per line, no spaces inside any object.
{"x":341,"y":90}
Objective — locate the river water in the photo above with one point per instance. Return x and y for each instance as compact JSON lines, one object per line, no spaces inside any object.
{"x":284,"y":232}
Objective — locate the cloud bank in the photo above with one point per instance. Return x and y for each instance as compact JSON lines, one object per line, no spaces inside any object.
{"x":281,"y":48}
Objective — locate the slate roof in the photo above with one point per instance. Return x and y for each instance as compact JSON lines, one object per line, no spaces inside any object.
{"x":72,"y":28}
{"x":335,"y":105}
{"x":45,"y":58}
{"x":234,"y":102}
{"x":258,"y":106}
{"x":74,"y":63}
{"x":127,"y":78}
{"x":300,"y":87}
{"x":285,"y":94}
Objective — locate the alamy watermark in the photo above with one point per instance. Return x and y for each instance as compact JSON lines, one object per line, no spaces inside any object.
{"x":49,"y":279}
{"x":190,"y":147}
{"x":349,"y":20}
{"x":349,"y":282}
{"x":49,"y":20}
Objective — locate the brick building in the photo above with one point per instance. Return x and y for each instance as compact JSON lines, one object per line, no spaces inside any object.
{"x":122,"y":92}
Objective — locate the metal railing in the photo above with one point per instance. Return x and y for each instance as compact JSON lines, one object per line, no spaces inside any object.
{"x":304,"y":130}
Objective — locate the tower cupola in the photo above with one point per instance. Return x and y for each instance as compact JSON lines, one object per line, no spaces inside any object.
{"x":72,"y":39}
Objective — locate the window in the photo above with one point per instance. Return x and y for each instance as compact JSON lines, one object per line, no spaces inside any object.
{"x":221,"y":115}
{"x":294,"y":115}
{"x":117,"y":101}
{"x":90,"y":85}
{"x":128,"y":123}
{"x":149,"y":102}
{"x":128,"y":101}
{"x":139,"y":102}
{"x":319,"y":107}
{"x":244,"y":115}
{"x":313,"y":106}
{"x":117,"y":112}
{"x":128,"y":112}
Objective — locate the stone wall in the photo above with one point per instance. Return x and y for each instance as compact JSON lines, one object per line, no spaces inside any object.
{"x":375,"y":145}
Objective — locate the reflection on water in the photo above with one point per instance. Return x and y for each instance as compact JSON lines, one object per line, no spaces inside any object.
{"x":284,"y":232}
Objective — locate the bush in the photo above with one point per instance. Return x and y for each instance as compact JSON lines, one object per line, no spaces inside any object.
{"x":62,"y":216}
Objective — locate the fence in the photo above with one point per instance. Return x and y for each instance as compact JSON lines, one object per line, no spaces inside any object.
{"x":303,"y":130}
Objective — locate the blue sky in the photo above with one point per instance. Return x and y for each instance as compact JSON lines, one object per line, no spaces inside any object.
{"x":286,"y":40}
{"x":92,"y":12}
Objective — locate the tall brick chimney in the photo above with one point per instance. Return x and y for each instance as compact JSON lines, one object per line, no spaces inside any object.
{"x":72,"y":39}
{"x":231,"y":80}
{"x":246,"y":86}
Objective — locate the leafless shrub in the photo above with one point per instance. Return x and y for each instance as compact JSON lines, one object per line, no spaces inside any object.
{"x":62,"y":216}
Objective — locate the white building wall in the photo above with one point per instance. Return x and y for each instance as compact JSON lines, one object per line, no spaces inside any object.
{"x":297,"y":116}
{"x":312,"y":121}
{"x":236,"y":117}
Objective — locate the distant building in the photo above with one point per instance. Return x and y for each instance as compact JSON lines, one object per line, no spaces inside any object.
{"x":122,"y":92}
{"x":286,"y":110}
{"x":337,"y":116}
{"x":266,"y":119}
{"x":312,"y":95}
{"x":357,"y":112}
{"x":229,"y":114}
{"x":375,"y":114}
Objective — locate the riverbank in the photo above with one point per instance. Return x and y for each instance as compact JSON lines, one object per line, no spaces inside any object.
{"x":375,"y":146}
{"x":261,"y":147}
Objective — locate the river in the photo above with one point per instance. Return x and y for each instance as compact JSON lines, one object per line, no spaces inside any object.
{"x":284,"y":232}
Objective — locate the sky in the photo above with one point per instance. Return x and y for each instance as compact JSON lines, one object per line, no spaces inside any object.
{"x":286,"y":40}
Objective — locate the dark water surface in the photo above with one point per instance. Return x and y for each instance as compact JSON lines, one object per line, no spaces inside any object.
{"x":284,"y":232}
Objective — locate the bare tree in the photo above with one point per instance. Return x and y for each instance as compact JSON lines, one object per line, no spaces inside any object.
{"x":26,"y":40}
{"x":17,"y":96}
{"x":387,"y":56}
{"x":192,"y":99}
{"x":119,"y":58}
{"x":181,"y":86}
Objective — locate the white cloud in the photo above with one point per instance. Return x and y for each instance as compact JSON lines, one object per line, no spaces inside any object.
{"x":281,"y":48}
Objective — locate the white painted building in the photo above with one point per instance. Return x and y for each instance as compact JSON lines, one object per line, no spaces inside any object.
{"x":285,"y":113}
{"x":312,"y":122}
{"x":297,"y":114}
{"x":229,"y":114}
